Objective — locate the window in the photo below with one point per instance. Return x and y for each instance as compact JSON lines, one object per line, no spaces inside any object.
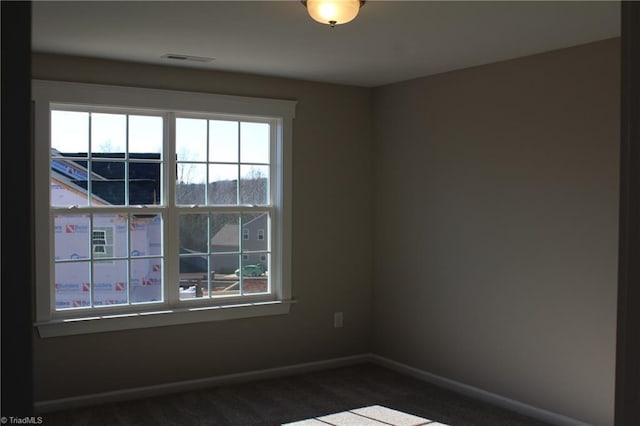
{"x":148,"y":197}
{"x":102,"y":242}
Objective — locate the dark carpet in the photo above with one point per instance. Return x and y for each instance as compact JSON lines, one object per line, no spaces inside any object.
{"x":295,"y":398}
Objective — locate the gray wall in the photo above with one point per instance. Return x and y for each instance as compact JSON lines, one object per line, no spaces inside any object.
{"x":496,"y":229}
{"x":332,"y":248}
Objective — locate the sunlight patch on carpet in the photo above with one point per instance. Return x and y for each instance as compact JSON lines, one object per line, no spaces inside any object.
{"x":373,"y":415}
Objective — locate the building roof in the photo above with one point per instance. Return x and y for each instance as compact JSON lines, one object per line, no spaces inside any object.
{"x":227,"y":236}
{"x":108,"y":177}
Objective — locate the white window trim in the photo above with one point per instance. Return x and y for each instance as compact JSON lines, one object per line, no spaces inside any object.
{"x":50,"y":323}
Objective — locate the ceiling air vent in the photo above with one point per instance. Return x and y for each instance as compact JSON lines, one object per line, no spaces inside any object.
{"x":178,"y":57}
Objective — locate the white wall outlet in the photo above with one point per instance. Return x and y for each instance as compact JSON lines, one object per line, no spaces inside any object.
{"x":337,"y":319}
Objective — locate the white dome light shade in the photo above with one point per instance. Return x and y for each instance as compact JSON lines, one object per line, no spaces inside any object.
{"x":333,"y":12}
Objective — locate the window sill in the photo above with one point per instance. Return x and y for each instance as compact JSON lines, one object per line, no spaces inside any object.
{"x":105,"y":323}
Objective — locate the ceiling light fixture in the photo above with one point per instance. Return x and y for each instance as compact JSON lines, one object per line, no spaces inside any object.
{"x":333,"y":12}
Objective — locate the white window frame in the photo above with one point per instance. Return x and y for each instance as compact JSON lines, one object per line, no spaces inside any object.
{"x":172,"y":311}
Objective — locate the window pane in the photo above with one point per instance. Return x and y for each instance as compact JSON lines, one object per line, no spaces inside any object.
{"x":114,"y":229}
{"x":223,"y":137}
{"x":121,"y":248}
{"x":145,"y":134}
{"x":193,"y":266}
{"x":108,"y":133}
{"x":194,"y":230}
{"x":72,"y":238}
{"x":70,"y":144}
{"x":68,"y":184}
{"x":145,"y":181}
{"x":146,"y":235}
{"x":110,"y":283}
{"x":193,"y":276}
{"x":225,"y":234}
{"x":190,"y":185}
{"x":191,"y":288}
{"x":70,"y":131}
{"x":223,"y":184}
{"x":225,"y":282}
{"x":254,"y":144}
{"x":254,"y":185}
{"x":146,"y":280}
{"x":191,"y":139}
{"x":256,"y":277}
{"x":72,"y":285}
{"x":107,"y":183}
{"x":255,"y":224}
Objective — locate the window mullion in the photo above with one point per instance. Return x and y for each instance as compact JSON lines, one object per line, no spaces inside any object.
{"x":90,"y":162}
{"x":129,"y":215}
{"x":240,"y":218}
{"x":238,"y":193}
{"x":170,"y":233}
{"x":127,"y":162}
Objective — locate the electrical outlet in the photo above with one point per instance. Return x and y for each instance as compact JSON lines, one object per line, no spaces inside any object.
{"x":337,"y":319}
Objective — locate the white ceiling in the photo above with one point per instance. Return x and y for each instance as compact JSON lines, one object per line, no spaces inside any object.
{"x":389,"y":41}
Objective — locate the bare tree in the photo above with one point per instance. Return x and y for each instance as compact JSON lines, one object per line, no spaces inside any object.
{"x":254,"y":187}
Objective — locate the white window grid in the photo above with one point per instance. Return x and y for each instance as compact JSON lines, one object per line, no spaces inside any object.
{"x":168,"y":208}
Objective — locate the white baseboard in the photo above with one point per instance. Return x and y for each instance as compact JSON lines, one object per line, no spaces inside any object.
{"x":41,"y":407}
{"x":479,"y":394}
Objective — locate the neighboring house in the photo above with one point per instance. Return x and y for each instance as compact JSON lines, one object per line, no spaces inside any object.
{"x":254,"y":238}
{"x":108,"y":177}
{"x":78,"y":238}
